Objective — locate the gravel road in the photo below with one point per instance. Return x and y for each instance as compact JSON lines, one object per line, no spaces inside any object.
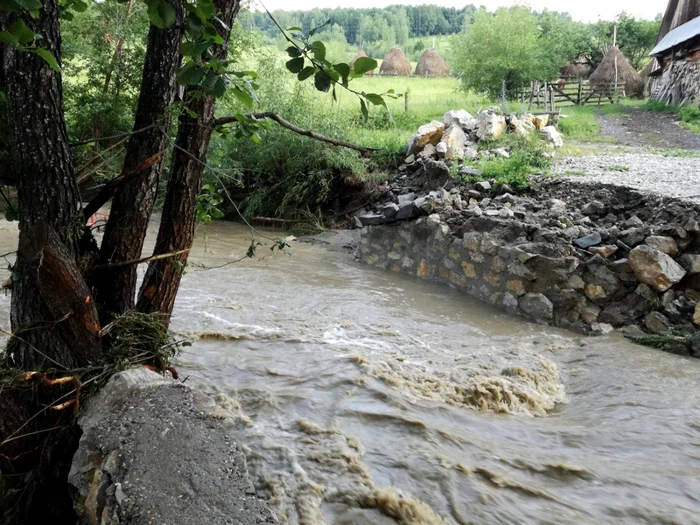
{"x":667,"y":175}
{"x":651,"y":153}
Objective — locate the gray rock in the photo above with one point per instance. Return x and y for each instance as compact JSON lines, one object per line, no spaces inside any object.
{"x":657,"y":322}
{"x":634,"y":222}
{"x":390,"y":210}
{"x":372,"y":219}
{"x":152,"y":447}
{"x":491,"y":125}
{"x":537,"y":306}
{"x":632,"y":236}
{"x":427,"y":134}
{"x":468,"y":171}
{"x":453,"y":142}
{"x":588,"y":240}
{"x":409,"y":197}
{"x":551,"y":134}
{"x":506,"y":213}
{"x":506,"y":197}
{"x":410,"y":159}
{"x":405,"y":210}
{"x":461,"y":118}
{"x":593,"y":208}
{"x":483,"y":185}
{"x":437,"y":170}
{"x":691,"y":262}
{"x":655,"y":268}
{"x":663,"y":244}
{"x":502,"y":153}
{"x":428,"y":152}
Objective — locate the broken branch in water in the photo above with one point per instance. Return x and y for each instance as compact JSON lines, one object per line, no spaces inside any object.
{"x":295,"y":129}
{"x":142,"y":260}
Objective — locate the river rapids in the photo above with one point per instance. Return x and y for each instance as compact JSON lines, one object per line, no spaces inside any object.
{"x":365,"y":397}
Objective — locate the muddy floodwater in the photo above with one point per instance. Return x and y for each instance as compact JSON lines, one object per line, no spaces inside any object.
{"x":363,"y":397}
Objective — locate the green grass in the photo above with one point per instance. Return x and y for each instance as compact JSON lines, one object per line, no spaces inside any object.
{"x":616,"y":167}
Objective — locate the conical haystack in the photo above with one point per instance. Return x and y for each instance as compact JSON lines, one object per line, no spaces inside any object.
{"x":431,"y":64}
{"x":361,"y":53}
{"x":626,"y":74}
{"x":395,"y":63}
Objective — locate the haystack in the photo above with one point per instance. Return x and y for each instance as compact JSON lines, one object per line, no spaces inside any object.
{"x":395,"y":63}
{"x":431,"y":64}
{"x":626,"y":74}
{"x":361,"y":53}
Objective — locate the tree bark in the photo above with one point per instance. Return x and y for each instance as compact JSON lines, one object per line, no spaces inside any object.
{"x":133,"y":202}
{"x":48,"y":198}
{"x":177,"y":225}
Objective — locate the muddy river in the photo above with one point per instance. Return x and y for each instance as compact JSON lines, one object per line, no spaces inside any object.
{"x":363,"y":397}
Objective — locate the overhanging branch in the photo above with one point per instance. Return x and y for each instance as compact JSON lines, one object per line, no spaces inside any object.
{"x":295,"y":129}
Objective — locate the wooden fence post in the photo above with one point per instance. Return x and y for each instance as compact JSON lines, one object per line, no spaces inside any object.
{"x":580,"y":92}
{"x":405,"y":100}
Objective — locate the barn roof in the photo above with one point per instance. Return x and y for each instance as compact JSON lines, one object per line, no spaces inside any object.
{"x":677,"y":36}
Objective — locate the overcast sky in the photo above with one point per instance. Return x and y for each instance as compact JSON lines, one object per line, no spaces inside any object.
{"x":584,"y":10}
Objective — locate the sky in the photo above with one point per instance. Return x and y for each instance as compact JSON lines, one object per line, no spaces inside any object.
{"x":583,"y":10}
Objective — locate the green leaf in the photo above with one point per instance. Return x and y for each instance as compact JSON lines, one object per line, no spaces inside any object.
{"x":363,"y":65}
{"x":215,"y":84}
{"x":343,"y":69}
{"x":9,"y":6}
{"x":161,"y":14}
{"x":363,"y":108}
{"x":194,"y":26}
{"x":190,"y":75}
{"x":29,"y":5}
{"x":293,"y":51}
{"x":190,"y":113}
{"x":295,"y":64}
{"x":211,"y":35}
{"x":7,"y":38}
{"x":194,"y":49}
{"x":318,"y":48}
{"x":79,"y":6}
{"x":243,"y":96}
{"x":317,"y":29}
{"x":48,"y":57}
{"x":22,"y":33}
{"x":293,"y":29}
{"x":322,"y":81}
{"x":10,"y":215}
{"x":306,"y":73}
{"x":375,"y":99}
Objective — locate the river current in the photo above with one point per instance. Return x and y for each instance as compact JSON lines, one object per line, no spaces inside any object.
{"x":366,"y":397}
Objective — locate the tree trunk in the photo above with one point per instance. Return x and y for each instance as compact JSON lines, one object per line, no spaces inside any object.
{"x":133,"y":202}
{"x":49,"y":216}
{"x":177,"y":225}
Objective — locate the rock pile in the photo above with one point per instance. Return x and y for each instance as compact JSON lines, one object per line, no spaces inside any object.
{"x":458,"y":135}
{"x":591,"y":258}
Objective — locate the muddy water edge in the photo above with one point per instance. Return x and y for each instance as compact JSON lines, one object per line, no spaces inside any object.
{"x":366,"y":397}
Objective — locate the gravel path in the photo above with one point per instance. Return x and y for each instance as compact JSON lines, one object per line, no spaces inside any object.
{"x":666,"y":175}
{"x":636,"y":160}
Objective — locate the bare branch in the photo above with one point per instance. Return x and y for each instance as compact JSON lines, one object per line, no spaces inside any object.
{"x":111,"y":187}
{"x":295,"y":129}
{"x":142,"y":260}
{"x":117,"y":136}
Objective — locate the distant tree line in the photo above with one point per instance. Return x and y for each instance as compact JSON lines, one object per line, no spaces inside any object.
{"x":368,"y":25}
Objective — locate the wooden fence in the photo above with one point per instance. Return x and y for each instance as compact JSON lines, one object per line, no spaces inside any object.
{"x":570,"y":92}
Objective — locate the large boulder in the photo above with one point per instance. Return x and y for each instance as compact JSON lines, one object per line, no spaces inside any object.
{"x":521,"y":127}
{"x":491,"y":125}
{"x":551,"y":134}
{"x":537,"y":306}
{"x":453,"y":142}
{"x":540,"y":121}
{"x":429,"y":133}
{"x":655,"y":268}
{"x":461,"y":118}
{"x":691,"y":262}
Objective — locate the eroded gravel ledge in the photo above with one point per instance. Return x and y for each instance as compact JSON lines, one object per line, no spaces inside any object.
{"x":673,"y":176}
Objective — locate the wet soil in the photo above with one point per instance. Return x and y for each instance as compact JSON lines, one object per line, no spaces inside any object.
{"x":637,"y":127}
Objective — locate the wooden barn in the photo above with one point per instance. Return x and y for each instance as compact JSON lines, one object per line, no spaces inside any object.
{"x":675,"y":73}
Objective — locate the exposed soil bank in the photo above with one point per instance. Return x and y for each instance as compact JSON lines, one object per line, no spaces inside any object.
{"x":155,"y":451}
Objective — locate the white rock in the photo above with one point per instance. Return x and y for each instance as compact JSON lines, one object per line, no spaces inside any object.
{"x":552,"y":135}
{"x":491,"y":125}
{"x":430,"y":133}
{"x":453,"y":141}
{"x":461,"y":118}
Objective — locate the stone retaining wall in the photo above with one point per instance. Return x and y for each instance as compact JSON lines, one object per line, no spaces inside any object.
{"x":543,"y":281}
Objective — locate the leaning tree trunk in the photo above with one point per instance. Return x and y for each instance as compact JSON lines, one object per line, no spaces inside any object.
{"x":133,"y":202}
{"x":177,"y":225}
{"x":52,"y":310}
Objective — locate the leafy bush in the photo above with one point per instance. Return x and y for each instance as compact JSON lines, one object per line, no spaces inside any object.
{"x":284,"y":173}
